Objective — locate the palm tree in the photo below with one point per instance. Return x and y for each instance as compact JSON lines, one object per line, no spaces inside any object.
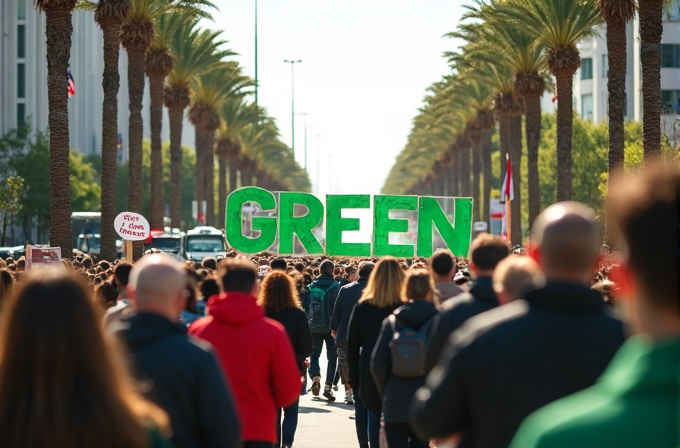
{"x":58,"y":31}
{"x":209,"y":91}
{"x":195,"y":51}
{"x":235,"y":114}
{"x":110,"y":14}
{"x":558,"y":25}
{"x":159,"y":63}
{"x":651,"y":30}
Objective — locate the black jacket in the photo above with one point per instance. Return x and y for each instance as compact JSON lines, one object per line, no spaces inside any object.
{"x":506,"y":363}
{"x":323,"y":282}
{"x":295,"y":322}
{"x":185,"y":380}
{"x":454,"y":312}
{"x":397,"y":392}
{"x":348,"y":296}
{"x":364,"y":329}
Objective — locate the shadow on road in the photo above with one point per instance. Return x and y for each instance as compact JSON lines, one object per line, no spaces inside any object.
{"x":307,"y":410}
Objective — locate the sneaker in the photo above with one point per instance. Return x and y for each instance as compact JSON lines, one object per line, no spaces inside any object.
{"x":335,"y":387}
{"x":349,"y":398}
{"x":328,"y":393}
{"x":316,"y":385}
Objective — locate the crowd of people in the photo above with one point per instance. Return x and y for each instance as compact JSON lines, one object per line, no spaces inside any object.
{"x":560,"y":344}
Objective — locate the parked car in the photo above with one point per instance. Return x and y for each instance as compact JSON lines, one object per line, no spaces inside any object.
{"x":166,"y":242}
{"x":204,"y":242}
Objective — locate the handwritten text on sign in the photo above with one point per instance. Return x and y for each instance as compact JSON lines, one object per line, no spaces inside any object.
{"x":132,"y":226}
{"x":427,"y":210}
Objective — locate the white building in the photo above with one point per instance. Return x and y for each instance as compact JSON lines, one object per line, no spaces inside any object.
{"x":590,"y":82}
{"x":23,"y":70}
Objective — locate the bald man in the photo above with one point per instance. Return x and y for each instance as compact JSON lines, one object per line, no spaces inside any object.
{"x":503,"y":364}
{"x":182,"y":373}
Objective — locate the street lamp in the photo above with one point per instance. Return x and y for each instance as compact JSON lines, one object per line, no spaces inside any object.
{"x":304,"y":116}
{"x":257,"y":82}
{"x":292,"y":94}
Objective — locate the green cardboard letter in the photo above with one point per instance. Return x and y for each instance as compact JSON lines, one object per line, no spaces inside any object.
{"x":336,"y":224}
{"x":301,"y":226}
{"x":234,"y":222}
{"x":383,"y":225}
{"x":456,"y":236}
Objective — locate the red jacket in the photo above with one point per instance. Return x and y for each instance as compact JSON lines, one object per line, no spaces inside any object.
{"x":257,"y":356}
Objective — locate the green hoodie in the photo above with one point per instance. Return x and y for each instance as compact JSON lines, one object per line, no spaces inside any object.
{"x":634,"y":404}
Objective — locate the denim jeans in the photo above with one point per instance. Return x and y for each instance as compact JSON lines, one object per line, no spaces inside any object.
{"x":343,"y":367}
{"x":290,"y":422}
{"x":331,"y":354}
{"x":374,"y":416}
{"x":399,"y":435}
{"x":361,"y":421}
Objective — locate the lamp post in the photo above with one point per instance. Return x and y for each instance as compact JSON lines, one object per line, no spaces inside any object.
{"x":304,"y":117}
{"x":318,"y":165}
{"x":257,"y":83}
{"x":292,"y":100}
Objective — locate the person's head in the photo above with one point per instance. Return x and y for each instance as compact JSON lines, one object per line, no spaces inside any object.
{"x":71,"y":378}
{"x":209,"y":288}
{"x":365,"y":269}
{"x":443,"y":266}
{"x":515,"y":276}
{"x":158,"y":285}
{"x":300,"y":267}
{"x":6,"y":285}
{"x":106,"y":293}
{"x":87,"y":263}
{"x":643,"y":213}
{"x":278,"y":293}
{"x":419,"y":285}
{"x":486,"y":251}
{"x":278,"y":264}
{"x":352,"y":273}
{"x":384,"y":285}
{"x":565,"y":242}
{"x":239,"y":275}
{"x":121,"y":274}
{"x":209,"y":263}
{"x":326,"y":267}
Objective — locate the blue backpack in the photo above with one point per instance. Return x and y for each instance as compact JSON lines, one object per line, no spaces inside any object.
{"x":318,"y":317}
{"x":409,"y":348}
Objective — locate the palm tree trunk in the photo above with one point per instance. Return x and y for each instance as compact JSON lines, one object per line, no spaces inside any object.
{"x":533,"y":133}
{"x":465,"y":170}
{"x":136,"y":127}
{"x":233,"y":174}
{"x":504,"y":131}
{"x":476,"y":174}
{"x":109,"y":160}
{"x":651,"y":30}
{"x":456,"y":172}
{"x":565,"y":111}
{"x":59,"y":28}
{"x":200,"y":171}
{"x":210,"y":177}
{"x":516,"y":157}
{"x":222,"y":192}
{"x":176,"y":116}
{"x":486,"y":167}
{"x":156,"y":199}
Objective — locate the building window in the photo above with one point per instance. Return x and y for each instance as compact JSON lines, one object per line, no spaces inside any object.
{"x":587,"y":107}
{"x":21,"y":41}
{"x":21,"y":80}
{"x":605,"y":66}
{"x":21,"y":9}
{"x":587,"y":68}
{"x":670,"y":101}
{"x":670,"y":56}
{"x":21,"y":115}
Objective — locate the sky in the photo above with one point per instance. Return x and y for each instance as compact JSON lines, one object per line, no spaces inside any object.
{"x":366,"y":65}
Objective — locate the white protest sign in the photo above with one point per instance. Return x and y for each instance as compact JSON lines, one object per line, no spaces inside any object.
{"x":132,"y":226}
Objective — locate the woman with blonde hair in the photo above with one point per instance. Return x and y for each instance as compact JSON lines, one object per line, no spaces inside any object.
{"x":62,"y":383}
{"x":280,"y":301}
{"x":399,"y":373}
{"x":380,"y":298}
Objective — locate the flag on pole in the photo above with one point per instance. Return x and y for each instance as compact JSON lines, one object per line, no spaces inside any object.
{"x":508,"y":190}
{"x":71,"y":84}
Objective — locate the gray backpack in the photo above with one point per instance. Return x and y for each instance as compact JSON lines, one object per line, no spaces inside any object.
{"x":409,"y":348}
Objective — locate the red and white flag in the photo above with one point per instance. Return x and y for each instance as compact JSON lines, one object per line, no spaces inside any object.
{"x":71,"y":84}
{"x":507,"y":189}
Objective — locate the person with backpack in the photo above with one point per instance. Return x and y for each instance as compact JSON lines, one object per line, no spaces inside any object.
{"x":379,"y":299}
{"x":398,"y":362}
{"x":321,"y":296}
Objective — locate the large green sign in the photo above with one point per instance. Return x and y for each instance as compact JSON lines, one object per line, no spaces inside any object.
{"x":425,"y":211}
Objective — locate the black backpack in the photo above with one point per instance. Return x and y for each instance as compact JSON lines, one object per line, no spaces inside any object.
{"x":409,"y":348}
{"x":318,"y":308}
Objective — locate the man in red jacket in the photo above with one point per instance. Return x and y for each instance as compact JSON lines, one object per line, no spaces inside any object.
{"x":254,"y":351}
